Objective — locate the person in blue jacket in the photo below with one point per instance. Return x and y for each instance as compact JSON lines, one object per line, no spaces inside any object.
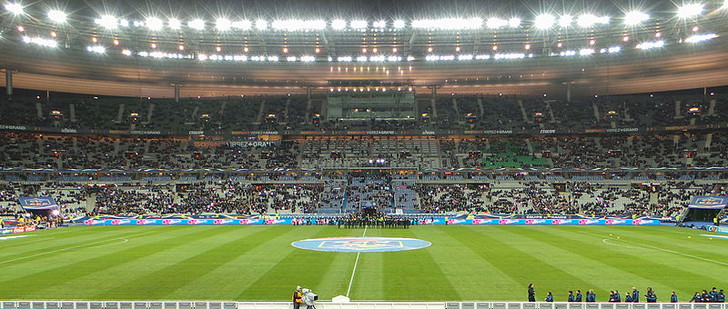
{"x":617,"y":296}
{"x":696,"y":298}
{"x":635,"y":295}
{"x":673,"y":297}
{"x":713,"y":295}
{"x":578,"y":298}
{"x":611,"y":297}
{"x":651,"y":296}
{"x":628,"y":298}
{"x":571,"y":297}
{"x":720,"y":297}
{"x":591,"y":297}
{"x":549,"y":298}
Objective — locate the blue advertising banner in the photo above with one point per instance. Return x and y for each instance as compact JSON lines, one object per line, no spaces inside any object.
{"x":709,"y":202}
{"x":37,"y":203}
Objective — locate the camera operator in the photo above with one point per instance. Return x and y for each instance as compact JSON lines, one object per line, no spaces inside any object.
{"x":309,"y":298}
{"x":297,"y":298}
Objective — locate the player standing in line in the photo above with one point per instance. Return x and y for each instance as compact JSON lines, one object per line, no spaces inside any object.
{"x":531,"y":293}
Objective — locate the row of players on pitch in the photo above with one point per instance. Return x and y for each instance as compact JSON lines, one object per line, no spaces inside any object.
{"x":714,"y":296}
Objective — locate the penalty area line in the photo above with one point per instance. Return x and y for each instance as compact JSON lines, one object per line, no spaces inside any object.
{"x":356,"y":263}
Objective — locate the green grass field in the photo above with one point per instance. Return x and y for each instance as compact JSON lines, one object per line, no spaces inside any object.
{"x":259,"y":263}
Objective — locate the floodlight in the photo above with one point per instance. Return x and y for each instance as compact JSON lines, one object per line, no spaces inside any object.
{"x":174,"y":24}
{"x":690,"y":10}
{"x":15,"y":8}
{"x":651,"y":45}
{"x":96,"y":49}
{"x":725,"y":4}
{"x":338,"y":24}
{"x":635,"y":17}
{"x":588,"y":20}
{"x":514,"y":22}
{"x":107,"y":21}
{"x":57,"y":16}
{"x":544,"y":21}
{"x":359,"y":24}
{"x":155,"y":24}
{"x":223,"y":24}
{"x":565,"y":20}
{"x":495,"y":23}
{"x":261,"y":24}
{"x":197,"y":24}
{"x":701,"y":37}
{"x":399,"y":24}
{"x":242,"y":25}
{"x":126,"y":52}
{"x":381,"y":24}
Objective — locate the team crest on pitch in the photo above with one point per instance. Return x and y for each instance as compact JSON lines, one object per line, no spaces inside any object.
{"x":361,"y":244}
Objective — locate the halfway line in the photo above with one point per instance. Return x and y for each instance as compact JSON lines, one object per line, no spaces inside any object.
{"x":353,"y":272}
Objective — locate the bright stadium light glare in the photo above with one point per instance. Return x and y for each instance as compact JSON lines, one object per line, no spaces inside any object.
{"x":261,"y":24}
{"x":588,"y":20}
{"x":57,"y":16}
{"x":495,"y":23}
{"x":514,"y":22}
{"x":544,"y":21}
{"x":223,"y":24}
{"x":380,"y":24}
{"x":701,"y":38}
{"x":338,"y":24}
{"x":298,"y":25}
{"x":449,"y":23}
{"x":174,"y":24}
{"x":399,"y":23}
{"x":107,"y":21}
{"x":635,"y":18}
{"x":242,"y":24}
{"x":197,"y":24}
{"x":651,"y":45}
{"x":155,"y":24}
{"x":96,"y":49}
{"x":690,"y":10}
{"x":40,"y":41}
{"x":565,"y":20}
{"x":359,"y":24}
{"x":15,"y":8}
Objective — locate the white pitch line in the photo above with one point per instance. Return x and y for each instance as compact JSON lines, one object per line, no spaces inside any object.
{"x":671,"y":251}
{"x":353,"y":272}
{"x":69,"y":248}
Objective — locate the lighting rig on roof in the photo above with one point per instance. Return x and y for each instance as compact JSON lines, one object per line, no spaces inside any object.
{"x":155,"y":30}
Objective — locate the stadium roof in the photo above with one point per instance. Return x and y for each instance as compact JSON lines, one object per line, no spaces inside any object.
{"x":227,"y":48}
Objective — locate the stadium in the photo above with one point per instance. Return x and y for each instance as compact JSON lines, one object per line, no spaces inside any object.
{"x":363,"y":155}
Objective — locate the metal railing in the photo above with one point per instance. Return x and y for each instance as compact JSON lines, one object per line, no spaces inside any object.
{"x":350,"y":305}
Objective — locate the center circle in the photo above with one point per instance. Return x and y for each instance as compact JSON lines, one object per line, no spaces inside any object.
{"x":361,"y":244}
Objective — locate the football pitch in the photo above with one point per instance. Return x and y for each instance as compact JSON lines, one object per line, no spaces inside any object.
{"x":250,"y":263}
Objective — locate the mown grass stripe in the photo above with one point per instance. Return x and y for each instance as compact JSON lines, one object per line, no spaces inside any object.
{"x":56,"y":277}
{"x":524,"y":264}
{"x":198,"y":259}
{"x":231,"y":278}
{"x":634,"y":267}
{"x":298,"y":267}
{"x":405,"y":271}
{"x":35,"y":242}
{"x":672,"y":238}
{"x":467,"y":271}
